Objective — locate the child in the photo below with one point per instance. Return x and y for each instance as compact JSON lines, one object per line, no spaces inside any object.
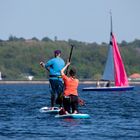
{"x":70,"y":98}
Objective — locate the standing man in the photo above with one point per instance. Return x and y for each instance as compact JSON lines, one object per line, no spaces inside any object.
{"x":54,"y":67}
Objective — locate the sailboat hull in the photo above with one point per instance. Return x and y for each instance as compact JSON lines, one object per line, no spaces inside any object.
{"x":124,"y":88}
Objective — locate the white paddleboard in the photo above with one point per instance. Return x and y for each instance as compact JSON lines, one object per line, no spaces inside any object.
{"x":73,"y":116}
{"x":46,"y":109}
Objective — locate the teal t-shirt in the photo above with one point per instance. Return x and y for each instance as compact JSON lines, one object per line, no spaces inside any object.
{"x":55,"y":65}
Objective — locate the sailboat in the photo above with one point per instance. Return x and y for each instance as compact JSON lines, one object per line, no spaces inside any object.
{"x":114,"y":69}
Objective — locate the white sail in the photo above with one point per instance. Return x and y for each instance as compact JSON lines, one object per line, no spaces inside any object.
{"x":109,"y":67}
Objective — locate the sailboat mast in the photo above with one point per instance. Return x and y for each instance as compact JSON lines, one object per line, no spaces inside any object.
{"x":111,"y":28}
{"x":109,"y":67}
{"x":111,"y":24}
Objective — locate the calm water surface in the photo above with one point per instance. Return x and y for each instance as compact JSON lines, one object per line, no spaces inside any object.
{"x":114,"y":115}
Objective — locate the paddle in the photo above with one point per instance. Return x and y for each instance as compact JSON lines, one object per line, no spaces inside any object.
{"x":69,"y":58}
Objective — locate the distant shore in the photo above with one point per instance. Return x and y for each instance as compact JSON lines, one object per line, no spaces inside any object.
{"x":47,"y":82}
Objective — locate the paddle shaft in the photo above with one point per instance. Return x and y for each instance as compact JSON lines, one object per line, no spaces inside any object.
{"x":69,"y":58}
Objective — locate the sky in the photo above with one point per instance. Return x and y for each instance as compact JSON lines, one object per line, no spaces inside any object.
{"x":81,"y":20}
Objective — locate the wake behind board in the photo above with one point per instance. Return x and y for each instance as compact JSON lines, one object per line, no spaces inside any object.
{"x":73,"y":116}
{"x":49,"y":110}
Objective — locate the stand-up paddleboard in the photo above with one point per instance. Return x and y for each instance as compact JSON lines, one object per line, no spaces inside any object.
{"x":73,"y":116}
{"x":45,"y":109}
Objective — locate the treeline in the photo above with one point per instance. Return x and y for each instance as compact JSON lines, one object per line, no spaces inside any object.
{"x":20,"y":57}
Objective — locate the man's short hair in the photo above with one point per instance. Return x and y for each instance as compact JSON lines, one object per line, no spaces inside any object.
{"x":57,"y":52}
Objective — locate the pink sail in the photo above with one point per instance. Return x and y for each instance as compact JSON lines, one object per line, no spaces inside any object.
{"x":120,"y":74}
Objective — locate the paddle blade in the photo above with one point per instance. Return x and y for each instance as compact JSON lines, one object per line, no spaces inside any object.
{"x":81,"y":102}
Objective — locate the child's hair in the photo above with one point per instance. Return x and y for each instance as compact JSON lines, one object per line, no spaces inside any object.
{"x":72,"y":72}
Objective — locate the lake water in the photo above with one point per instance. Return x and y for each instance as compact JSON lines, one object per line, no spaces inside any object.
{"x":114,"y":115}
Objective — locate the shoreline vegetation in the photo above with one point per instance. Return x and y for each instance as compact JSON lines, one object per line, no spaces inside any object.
{"x":20,"y":58}
{"x":47,"y":82}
